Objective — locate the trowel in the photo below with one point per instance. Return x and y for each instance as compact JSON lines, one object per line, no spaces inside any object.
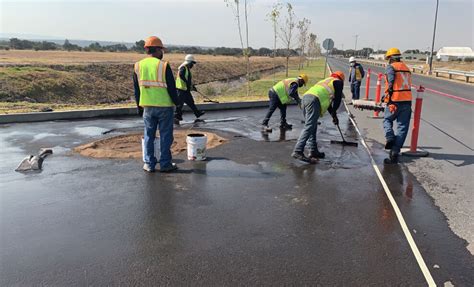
{"x":34,"y":162}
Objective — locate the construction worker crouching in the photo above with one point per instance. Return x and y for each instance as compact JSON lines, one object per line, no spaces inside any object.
{"x":155,"y":95}
{"x":280,"y":96}
{"x":398,"y":98}
{"x":185,"y":85}
{"x":356,"y":74}
{"x":326,"y":95}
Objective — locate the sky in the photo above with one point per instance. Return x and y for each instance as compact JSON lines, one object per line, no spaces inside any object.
{"x":380,"y":24}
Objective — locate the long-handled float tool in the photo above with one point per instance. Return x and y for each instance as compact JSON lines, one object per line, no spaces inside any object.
{"x":206,"y":99}
{"x":343,"y":142}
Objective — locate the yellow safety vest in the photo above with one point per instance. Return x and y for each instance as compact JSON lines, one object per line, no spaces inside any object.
{"x":325,"y":91}
{"x":151,"y":74}
{"x":358,"y":74}
{"x":282,"y":89}
{"x":180,"y":84}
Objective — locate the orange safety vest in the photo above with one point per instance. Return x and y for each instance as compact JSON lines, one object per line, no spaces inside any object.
{"x":401,"y":84}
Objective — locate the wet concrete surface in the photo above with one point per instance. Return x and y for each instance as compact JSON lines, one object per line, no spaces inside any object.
{"x":250,"y":215}
{"x":446,"y":132}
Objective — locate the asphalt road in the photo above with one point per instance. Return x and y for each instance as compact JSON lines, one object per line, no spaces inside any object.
{"x":447,"y":133}
{"x":250,"y":215}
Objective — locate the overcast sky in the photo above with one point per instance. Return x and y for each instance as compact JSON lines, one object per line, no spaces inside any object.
{"x":383,"y":23}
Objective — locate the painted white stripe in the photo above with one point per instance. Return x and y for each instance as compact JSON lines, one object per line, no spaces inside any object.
{"x":398,"y":213}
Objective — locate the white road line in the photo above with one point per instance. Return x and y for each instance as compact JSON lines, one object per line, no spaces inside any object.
{"x":398,"y":213}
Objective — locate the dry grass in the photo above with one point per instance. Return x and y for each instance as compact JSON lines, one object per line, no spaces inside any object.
{"x":34,"y":80}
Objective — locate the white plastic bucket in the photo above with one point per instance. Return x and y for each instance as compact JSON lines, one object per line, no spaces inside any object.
{"x":157,"y":148}
{"x":196,"y":146}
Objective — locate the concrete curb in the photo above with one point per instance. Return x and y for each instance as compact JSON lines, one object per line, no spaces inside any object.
{"x":115,"y":112}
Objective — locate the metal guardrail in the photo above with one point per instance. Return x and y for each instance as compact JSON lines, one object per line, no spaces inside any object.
{"x":454,"y":72}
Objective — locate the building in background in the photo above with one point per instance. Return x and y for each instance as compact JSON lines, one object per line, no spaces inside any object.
{"x":454,"y":53}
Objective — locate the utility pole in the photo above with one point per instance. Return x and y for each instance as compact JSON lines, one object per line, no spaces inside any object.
{"x":434,"y":34}
{"x":355,"y":46}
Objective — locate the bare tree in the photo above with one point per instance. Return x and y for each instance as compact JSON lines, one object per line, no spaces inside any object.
{"x":286,"y":32}
{"x":235,"y":6}
{"x":274,"y":16}
{"x":312,"y":42}
{"x":303,"y":28}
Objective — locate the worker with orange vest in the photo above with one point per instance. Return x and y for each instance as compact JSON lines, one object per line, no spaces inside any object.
{"x":155,"y":95}
{"x":326,"y":95}
{"x":280,"y":96}
{"x":398,"y":98}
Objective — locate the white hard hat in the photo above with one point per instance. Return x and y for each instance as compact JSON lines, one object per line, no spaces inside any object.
{"x":352,"y":59}
{"x":189,"y":58}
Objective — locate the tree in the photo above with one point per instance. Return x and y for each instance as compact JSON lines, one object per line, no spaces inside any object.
{"x":286,"y":32}
{"x":303,"y":28}
{"x":139,"y":46}
{"x":235,"y":6}
{"x":274,"y":16}
{"x":312,"y":45}
{"x":70,"y":47}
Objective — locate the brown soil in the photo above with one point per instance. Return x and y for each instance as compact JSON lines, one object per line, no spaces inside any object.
{"x":129,"y":145}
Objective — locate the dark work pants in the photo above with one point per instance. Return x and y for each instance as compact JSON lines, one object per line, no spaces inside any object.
{"x":274,"y":104}
{"x":355,"y":89}
{"x":186,"y":98}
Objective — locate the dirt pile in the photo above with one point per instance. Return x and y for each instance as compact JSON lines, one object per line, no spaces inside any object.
{"x":130,"y":146}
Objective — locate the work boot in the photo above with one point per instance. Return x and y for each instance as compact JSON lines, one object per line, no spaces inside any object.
{"x":199,"y":114}
{"x":392,"y":159}
{"x":169,"y":168}
{"x":266,"y":128}
{"x":317,"y":154}
{"x":286,"y":126}
{"x":389,"y":144}
{"x":300,"y":156}
{"x":147,"y":168}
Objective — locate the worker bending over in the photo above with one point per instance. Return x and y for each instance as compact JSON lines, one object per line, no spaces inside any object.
{"x":326,"y":95}
{"x":155,"y":95}
{"x":280,"y":96}
{"x":356,"y":74}
{"x":398,"y":98}
{"x":184,"y":84}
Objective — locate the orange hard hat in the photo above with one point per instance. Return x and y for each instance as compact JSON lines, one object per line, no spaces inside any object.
{"x":153,"y":41}
{"x":338,"y":74}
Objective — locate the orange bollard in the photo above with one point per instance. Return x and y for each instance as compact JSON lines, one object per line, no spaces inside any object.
{"x":367,"y":85}
{"x":377,"y":93}
{"x":416,"y":126}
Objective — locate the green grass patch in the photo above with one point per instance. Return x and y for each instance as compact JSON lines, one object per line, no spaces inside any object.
{"x":259,"y":88}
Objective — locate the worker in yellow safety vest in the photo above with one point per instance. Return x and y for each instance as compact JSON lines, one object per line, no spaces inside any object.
{"x":155,"y":95}
{"x":326,"y":95}
{"x":398,"y":98}
{"x":280,"y":96}
{"x":184,"y":85}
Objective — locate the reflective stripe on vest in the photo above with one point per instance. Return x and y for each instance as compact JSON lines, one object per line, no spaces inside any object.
{"x":282,"y":89}
{"x":151,"y":74}
{"x":325,"y":91}
{"x":401,"y":84}
{"x":180,"y":84}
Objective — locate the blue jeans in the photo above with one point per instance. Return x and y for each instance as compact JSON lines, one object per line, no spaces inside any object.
{"x":402,"y":116}
{"x":355,"y":90}
{"x":312,"y":110}
{"x":161,"y":118}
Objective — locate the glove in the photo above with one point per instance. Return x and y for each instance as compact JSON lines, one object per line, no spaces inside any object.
{"x":390,"y":91}
{"x":392,"y":108}
{"x":140,"y":111}
{"x":335,"y":120}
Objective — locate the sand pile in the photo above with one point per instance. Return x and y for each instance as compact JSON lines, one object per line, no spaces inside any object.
{"x":130,"y":146}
